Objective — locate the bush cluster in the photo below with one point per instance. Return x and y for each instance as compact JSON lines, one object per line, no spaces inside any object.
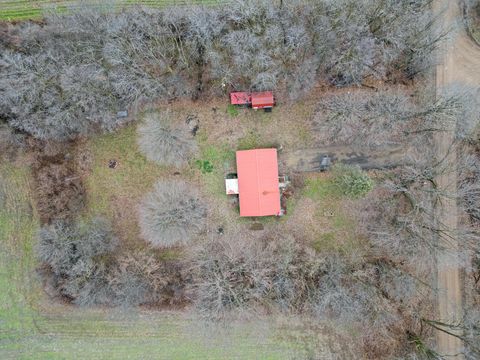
{"x":82,"y":266}
{"x":238,"y":273}
{"x":59,"y":190}
{"x":74,"y":73}
{"x":351,"y":180}
{"x":77,"y":255}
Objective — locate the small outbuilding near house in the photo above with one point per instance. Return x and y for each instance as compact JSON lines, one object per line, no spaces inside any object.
{"x":258,"y":185}
{"x":262,"y":100}
{"x":257,"y":100}
{"x":240,"y":98}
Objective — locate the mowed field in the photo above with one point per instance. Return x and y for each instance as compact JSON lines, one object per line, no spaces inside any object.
{"x":11,"y":10}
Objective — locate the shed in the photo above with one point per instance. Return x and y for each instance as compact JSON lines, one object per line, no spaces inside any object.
{"x":258,"y":186}
{"x":262,"y":100}
{"x":231,"y":186}
{"x":240,"y":98}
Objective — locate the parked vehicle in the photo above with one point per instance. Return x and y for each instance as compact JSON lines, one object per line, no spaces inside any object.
{"x":325,"y":163}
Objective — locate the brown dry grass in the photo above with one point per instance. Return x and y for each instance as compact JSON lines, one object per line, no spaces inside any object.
{"x":288,"y":124}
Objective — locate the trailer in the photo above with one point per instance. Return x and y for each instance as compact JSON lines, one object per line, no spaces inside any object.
{"x":255,"y":100}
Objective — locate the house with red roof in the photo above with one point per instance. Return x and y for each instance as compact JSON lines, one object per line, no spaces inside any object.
{"x":258,"y":185}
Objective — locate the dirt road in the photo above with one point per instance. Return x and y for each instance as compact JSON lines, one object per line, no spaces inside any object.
{"x":459,"y":64}
{"x":308,"y":160}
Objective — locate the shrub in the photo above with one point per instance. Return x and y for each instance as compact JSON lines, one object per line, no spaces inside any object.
{"x":236,"y":272}
{"x":139,"y":278}
{"x":171,"y":214}
{"x":232,"y":110}
{"x":77,"y":257}
{"x":163,"y":142}
{"x":59,"y":192}
{"x":351,"y":180}
{"x":204,"y":166}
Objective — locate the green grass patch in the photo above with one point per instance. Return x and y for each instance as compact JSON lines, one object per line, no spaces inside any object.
{"x":116,"y":193}
{"x":250,"y":141}
{"x":344,"y":181}
{"x":320,"y":188}
{"x":133,"y":177}
{"x":217,"y":160}
{"x":253,"y":140}
{"x":18,"y":228}
{"x":11,"y":10}
{"x":220,"y":156}
{"x":170,"y":254}
{"x":304,"y":135}
{"x":342,"y":222}
{"x":338,"y":228}
{"x":325,"y":242}
{"x":232,"y":110}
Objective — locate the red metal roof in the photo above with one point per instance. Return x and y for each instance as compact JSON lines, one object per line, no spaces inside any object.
{"x":258,"y":182}
{"x":262,"y":99}
{"x":239,"y":98}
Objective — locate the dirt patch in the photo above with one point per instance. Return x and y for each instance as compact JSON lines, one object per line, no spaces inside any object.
{"x":124,"y":218}
{"x":287,"y":125}
{"x":60,"y":193}
{"x":308,"y":160}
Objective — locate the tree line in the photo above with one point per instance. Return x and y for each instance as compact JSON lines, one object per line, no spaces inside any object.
{"x":71,"y":74}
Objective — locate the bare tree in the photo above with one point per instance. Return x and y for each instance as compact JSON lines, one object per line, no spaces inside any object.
{"x":163,"y":141}
{"x":399,"y":215}
{"x":76,"y":255}
{"x":172,"y":214}
{"x":471,"y":17}
{"x":367,"y":119}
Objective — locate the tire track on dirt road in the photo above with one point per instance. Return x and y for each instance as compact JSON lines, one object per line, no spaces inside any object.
{"x":459,"y":65}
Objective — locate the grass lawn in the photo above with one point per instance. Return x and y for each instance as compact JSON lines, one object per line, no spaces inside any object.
{"x":33,"y":9}
{"x":324,"y":214}
{"x":18,"y":290}
{"x":115,"y":193}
